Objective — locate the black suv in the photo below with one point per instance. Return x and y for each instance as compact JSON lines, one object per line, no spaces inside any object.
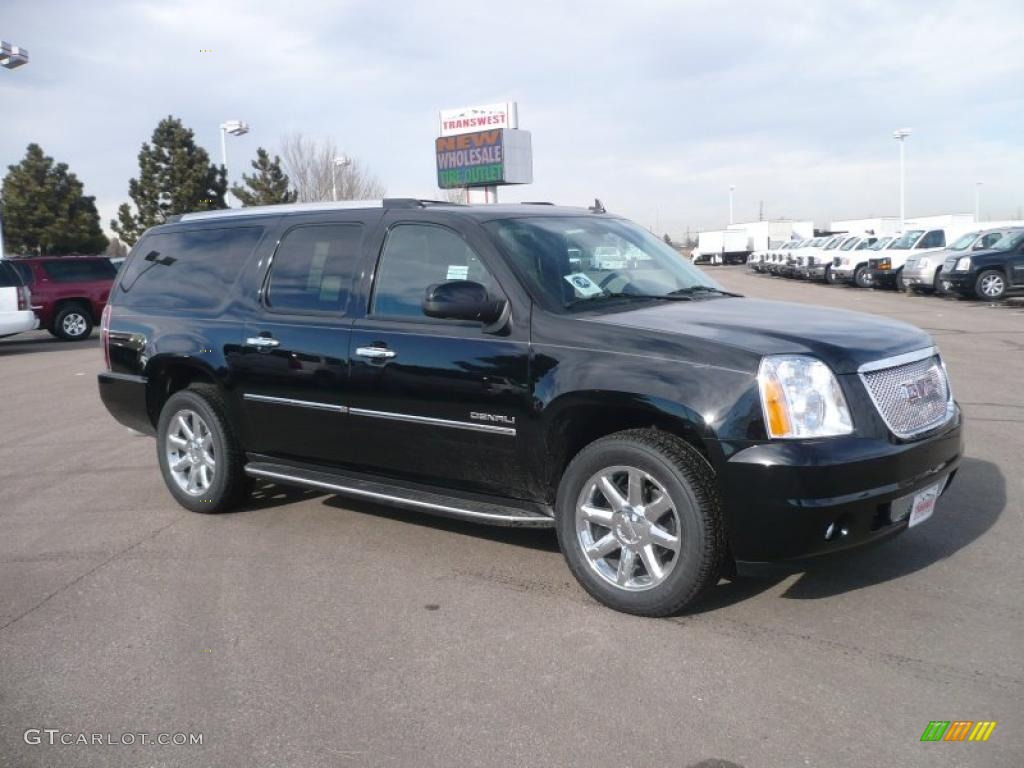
{"x":991,"y":273}
{"x":474,"y":361}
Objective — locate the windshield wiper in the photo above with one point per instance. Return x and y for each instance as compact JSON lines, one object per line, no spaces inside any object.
{"x":690,"y":291}
{"x":623,"y":295}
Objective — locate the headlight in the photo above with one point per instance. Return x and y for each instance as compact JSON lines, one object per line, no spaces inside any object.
{"x":963,"y":264}
{"x":801,"y":398}
{"x":885,"y":263}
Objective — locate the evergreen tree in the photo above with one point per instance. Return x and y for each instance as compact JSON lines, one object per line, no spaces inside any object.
{"x":44,"y":210}
{"x":175,"y":176}
{"x":268,"y":186}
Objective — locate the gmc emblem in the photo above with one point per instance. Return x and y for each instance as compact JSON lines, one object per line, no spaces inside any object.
{"x":919,"y":389}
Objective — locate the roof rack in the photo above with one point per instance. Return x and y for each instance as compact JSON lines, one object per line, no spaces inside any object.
{"x":286,"y":208}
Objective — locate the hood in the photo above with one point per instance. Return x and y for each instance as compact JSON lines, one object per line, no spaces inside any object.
{"x":845,"y":340}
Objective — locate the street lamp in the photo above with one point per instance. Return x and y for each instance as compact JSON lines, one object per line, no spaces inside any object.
{"x":341,"y":161}
{"x":977,"y":202}
{"x":235,"y":128}
{"x":11,"y":57}
{"x":900,"y":134}
{"x":732,"y":188}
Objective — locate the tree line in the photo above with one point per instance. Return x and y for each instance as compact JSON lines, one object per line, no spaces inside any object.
{"x":45,"y":211}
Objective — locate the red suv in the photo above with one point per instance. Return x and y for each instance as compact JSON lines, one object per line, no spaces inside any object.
{"x":68,"y":292}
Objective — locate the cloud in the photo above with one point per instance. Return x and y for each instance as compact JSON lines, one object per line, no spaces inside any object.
{"x":656,"y":107}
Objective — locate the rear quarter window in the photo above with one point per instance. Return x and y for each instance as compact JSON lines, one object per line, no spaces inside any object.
{"x":187,"y":269}
{"x":23,"y":270}
{"x":8,"y":277}
{"x":79,"y":270}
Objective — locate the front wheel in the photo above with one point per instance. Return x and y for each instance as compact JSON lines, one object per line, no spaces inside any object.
{"x":901,"y":287}
{"x":639,"y":522}
{"x":861,"y":277}
{"x":990,"y":285}
{"x":829,"y":277}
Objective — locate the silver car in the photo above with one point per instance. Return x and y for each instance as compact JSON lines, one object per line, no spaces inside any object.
{"x":921,"y":272}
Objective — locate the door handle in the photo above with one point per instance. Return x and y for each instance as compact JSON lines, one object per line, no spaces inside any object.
{"x":376,"y":353}
{"x":264,"y":342}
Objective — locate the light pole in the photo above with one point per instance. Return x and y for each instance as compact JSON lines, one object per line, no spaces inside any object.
{"x":235,"y":128}
{"x":977,"y":202}
{"x":341,"y":161}
{"x":732,"y":189}
{"x":11,"y":57}
{"x":900,"y":134}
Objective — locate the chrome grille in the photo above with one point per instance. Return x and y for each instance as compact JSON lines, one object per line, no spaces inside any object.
{"x":912,"y":396}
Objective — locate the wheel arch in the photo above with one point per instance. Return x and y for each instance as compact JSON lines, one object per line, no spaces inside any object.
{"x":168,"y":374}
{"x":575,"y":422}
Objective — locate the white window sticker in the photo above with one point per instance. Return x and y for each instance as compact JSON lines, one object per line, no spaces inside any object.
{"x":583,"y":285}
{"x":458,"y":272}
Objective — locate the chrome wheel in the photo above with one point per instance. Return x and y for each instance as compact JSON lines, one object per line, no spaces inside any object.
{"x":190,"y":452}
{"x":628,"y":528}
{"x":74,"y":324}
{"x":992,"y":286}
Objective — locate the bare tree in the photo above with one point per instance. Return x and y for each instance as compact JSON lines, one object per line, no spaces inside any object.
{"x":309,"y":164}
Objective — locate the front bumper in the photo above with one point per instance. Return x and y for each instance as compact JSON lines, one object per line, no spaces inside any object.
{"x":814,"y":272}
{"x":959,"y":282}
{"x":781,"y":497}
{"x":883,"y":277}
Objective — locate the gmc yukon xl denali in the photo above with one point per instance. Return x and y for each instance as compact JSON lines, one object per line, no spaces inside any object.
{"x":483,"y":362}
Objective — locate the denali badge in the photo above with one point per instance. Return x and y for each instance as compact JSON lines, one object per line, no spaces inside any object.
{"x":919,"y":389}
{"x":492,"y":417}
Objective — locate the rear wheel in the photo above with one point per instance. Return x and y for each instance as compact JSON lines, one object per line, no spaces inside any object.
{"x":861,"y":277}
{"x":639,"y":522}
{"x":72,"y":323}
{"x":200,"y":458}
{"x":991,"y":285}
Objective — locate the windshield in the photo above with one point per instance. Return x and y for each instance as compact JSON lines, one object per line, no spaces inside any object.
{"x":864,"y":244}
{"x":832,"y":244}
{"x":1009,"y":241}
{"x":964,"y":242}
{"x":907,"y":240}
{"x":569,"y":260}
{"x":880,"y":244}
{"x":848,"y":245}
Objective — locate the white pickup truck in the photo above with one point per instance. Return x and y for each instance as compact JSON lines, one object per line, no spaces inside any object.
{"x":850,"y":263}
{"x":16,"y":315}
{"x":886,"y":268}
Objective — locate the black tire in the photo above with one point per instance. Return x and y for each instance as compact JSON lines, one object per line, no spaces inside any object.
{"x":829,"y":277}
{"x":229,"y":485}
{"x":73,"y":322}
{"x":990,"y":285}
{"x":901,"y":287}
{"x":688,"y":481}
{"x":861,"y":277}
{"x":937,"y":283}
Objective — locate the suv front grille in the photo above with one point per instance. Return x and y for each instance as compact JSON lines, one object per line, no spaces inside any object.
{"x":911,"y":397}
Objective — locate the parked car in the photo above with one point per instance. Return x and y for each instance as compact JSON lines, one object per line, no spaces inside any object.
{"x":798,"y":256}
{"x":779,"y":257}
{"x":992,"y":273}
{"x":922,"y":273}
{"x":452,"y":360}
{"x":68,"y":292}
{"x":16,"y":315}
{"x":819,"y":264}
{"x":851,"y":266}
{"x":886,"y":269}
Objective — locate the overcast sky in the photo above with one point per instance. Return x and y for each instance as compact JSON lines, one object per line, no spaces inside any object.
{"x":655,"y":107}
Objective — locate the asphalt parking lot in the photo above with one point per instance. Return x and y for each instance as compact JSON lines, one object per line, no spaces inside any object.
{"x":308,"y":630}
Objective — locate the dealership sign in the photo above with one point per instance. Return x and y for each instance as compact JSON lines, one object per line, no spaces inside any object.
{"x":485,"y":116}
{"x":484,"y":158}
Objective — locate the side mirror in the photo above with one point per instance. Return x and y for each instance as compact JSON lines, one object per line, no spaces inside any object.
{"x":462,"y":300}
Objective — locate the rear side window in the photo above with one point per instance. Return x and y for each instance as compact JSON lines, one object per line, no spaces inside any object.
{"x":187,"y":269}
{"x":312,"y":269}
{"x":79,"y":270}
{"x":8,"y":277}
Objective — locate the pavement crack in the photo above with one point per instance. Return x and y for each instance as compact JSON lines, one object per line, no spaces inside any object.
{"x":91,"y":571}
